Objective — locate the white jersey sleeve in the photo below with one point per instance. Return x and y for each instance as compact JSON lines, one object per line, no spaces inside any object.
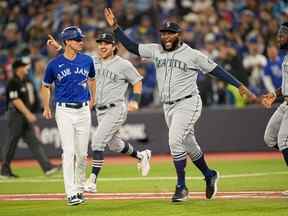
{"x":204,"y":63}
{"x":131,"y":74}
{"x":148,"y":50}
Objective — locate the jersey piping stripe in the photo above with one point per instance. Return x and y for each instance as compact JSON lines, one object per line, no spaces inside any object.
{"x":171,"y":70}
{"x":163,"y":88}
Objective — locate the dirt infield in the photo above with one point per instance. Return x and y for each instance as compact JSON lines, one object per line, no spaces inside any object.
{"x":158,"y":158}
{"x":147,"y":196}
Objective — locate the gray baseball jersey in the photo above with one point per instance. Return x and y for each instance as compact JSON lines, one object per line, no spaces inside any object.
{"x":112,"y":79}
{"x":177,"y":70}
{"x":276,"y":132}
{"x":285,"y":76}
{"x":176,"y":73}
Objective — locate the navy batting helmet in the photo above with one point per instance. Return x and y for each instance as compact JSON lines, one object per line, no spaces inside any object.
{"x":71,"y":33}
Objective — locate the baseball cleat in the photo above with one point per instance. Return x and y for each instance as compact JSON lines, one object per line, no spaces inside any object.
{"x":144,"y":163}
{"x":81,"y":197}
{"x":285,"y":193}
{"x":90,"y":184}
{"x":73,"y":200}
{"x":53,"y":170}
{"x":180,"y":195}
{"x":211,"y":184}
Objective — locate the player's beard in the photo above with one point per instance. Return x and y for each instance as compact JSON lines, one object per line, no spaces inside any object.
{"x":174,"y":46}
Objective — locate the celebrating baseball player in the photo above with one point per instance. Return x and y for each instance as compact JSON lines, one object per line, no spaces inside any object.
{"x":113,"y":75}
{"x":177,"y":67}
{"x":276,"y":133}
{"x":73,"y":75}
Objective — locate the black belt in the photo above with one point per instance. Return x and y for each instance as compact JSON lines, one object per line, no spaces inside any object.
{"x":72,"y":105}
{"x":175,"y":101}
{"x":106,"y":106}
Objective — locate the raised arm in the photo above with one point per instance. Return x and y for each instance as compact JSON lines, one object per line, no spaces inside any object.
{"x":52,"y":43}
{"x":130,"y":45}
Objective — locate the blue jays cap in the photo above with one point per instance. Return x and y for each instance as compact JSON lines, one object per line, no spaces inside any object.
{"x":106,"y":37}
{"x":170,"y":27}
{"x":72,"y":33}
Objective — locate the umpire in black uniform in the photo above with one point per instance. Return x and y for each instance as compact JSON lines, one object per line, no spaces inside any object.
{"x":21,"y":99}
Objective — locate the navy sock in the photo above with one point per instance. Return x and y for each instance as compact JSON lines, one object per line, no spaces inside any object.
{"x":202,"y":166}
{"x":97,"y":162}
{"x":129,"y":150}
{"x":180,"y":170}
{"x":285,"y":155}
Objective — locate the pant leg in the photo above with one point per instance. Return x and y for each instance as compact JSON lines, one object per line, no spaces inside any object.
{"x":82,"y":134}
{"x":117,"y":144}
{"x":110,"y":122}
{"x":15,"y":130}
{"x":182,"y":120}
{"x":65,"y":122}
{"x":273,"y":126}
{"x":283,"y":131}
{"x":36,"y":147}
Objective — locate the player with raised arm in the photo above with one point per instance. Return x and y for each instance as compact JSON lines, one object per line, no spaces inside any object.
{"x":177,"y":66}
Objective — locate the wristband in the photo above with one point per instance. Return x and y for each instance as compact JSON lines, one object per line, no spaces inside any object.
{"x":136,"y":97}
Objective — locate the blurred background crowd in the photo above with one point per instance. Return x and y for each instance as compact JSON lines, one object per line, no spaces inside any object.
{"x":239,"y":35}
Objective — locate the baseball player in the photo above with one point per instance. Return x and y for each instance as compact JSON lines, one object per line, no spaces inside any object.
{"x":276,"y":133}
{"x":177,"y":66}
{"x":73,"y":75}
{"x":113,"y":74}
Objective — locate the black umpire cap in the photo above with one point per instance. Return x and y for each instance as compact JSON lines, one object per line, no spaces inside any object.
{"x":106,"y":37}
{"x":170,"y":27}
{"x":19,"y":62}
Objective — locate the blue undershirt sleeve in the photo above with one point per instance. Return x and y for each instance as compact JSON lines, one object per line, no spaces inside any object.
{"x":131,"y":46}
{"x":221,"y":74}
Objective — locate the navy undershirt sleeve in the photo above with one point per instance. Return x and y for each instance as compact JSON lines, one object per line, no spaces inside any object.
{"x":221,"y":74}
{"x":131,"y":46}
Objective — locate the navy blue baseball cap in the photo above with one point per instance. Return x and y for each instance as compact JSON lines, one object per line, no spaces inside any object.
{"x":72,"y":33}
{"x":106,"y":37}
{"x":170,"y":27}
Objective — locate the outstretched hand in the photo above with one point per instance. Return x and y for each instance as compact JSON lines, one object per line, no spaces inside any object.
{"x":51,"y":42}
{"x":110,"y":18}
{"x":268,"y":99}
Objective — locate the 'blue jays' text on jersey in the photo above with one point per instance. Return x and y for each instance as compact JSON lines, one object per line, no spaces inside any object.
{"x":70,"y":77}
{"x":273,"y":69}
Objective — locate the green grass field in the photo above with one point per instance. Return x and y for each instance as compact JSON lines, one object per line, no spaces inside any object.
{"x":238,"y":175}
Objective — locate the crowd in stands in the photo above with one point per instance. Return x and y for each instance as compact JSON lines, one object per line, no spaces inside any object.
{"x":240,"y":35}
